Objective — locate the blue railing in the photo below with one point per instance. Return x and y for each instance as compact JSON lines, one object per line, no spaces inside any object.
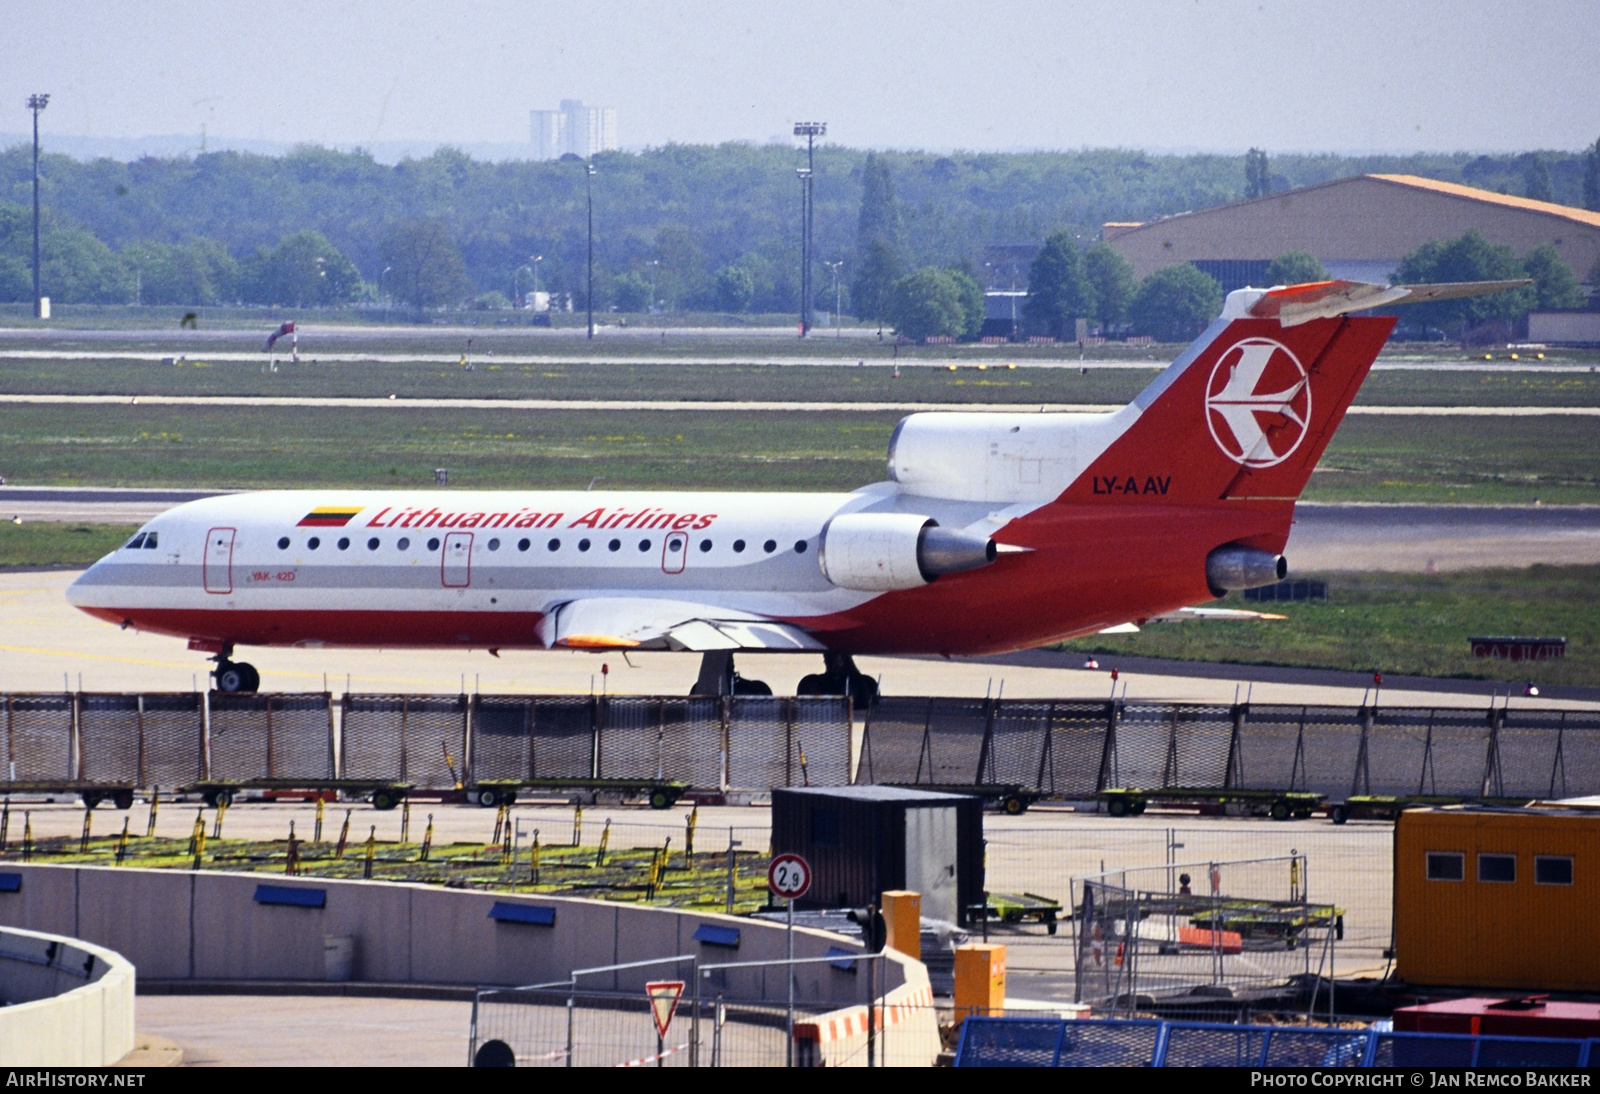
{"x":1033,"y":1042}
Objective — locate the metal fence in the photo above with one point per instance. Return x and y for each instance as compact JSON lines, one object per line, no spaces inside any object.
{"x":426,"y":742}
{"x":1070,"y":749}
{"x":1191,"y":934}
{"x":1074,"y":749}
{"x":1349,"y":867}
{"x":1033,"y":1042}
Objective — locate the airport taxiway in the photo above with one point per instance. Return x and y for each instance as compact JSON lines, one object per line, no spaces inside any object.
{"x":47,"y":644}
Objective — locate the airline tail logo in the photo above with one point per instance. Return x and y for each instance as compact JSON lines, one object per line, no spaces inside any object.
{"x":1258,"y":402}
{"x":329,"y":516}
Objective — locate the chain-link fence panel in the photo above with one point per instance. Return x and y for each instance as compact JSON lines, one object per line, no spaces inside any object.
{"x":1018,"y":735}
{"x":172,"y":739}
{"x":1527,"y":749}
{"x":1077,"y":744}
{"x":821,"y":741}
{"x":502,"y":738}
{"x":1458,"y":754}
{"x":39,"y":738}
{"x":1195,"y":1045}
{"x":956,"y":731}
{"x":675,"y":739}
{"x":271,"y":736}
{"x":1580,"y":754}
{"x":564,"y":737}
{"x":894,"y":743}
{"x":1202,"y":745}
{"x":1397,"y":748}
{"x":1141,"y":745}
{"x":1269,"y":748}
{"x":1331,"y":750}
{"x":414,"y":739}
{"x":761,"y":753}
{"x":108,"y":738}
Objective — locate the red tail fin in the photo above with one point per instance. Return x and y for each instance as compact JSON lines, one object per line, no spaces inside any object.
{"x":1245,"y":413}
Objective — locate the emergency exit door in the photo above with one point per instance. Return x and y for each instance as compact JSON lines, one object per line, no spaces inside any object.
{"x":675,"y":552}
{"x":456,"y":567}
{"x":217,"y":564}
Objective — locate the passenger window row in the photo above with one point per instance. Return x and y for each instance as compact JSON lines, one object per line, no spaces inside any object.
{"x":554,"y":544}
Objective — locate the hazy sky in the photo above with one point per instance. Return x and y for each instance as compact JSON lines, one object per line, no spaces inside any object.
{"x":1353,"y":75}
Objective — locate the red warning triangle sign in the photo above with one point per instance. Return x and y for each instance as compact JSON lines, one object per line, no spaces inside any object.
{"x":664,"y":996}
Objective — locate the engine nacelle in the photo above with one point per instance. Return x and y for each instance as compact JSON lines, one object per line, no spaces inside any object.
{"x":877,"y":552}
{"x":1232,"y":566}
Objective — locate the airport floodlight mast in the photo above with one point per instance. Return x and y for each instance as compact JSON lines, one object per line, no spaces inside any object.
{"x":835,"y":267}
{"x":810,"y":131}
{"x":36,"y":103}
{"x":589,"y":176}
{"x":804,"y":175}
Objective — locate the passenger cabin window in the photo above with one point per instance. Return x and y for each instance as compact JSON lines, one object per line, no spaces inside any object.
{"x":1446,"y":866}
{"x":135,"y":543}
{"x":1552,"y":870}
{"x":150,"y":541}
{"x":1497,"y":868}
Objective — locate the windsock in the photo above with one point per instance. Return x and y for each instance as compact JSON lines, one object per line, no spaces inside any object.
{"x":287,"y":328}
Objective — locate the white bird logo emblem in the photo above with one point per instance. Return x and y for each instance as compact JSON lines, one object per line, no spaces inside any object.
{"x":1258,"y":402}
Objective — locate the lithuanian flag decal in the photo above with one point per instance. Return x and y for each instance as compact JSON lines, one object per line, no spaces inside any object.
{"x":329,"y":516}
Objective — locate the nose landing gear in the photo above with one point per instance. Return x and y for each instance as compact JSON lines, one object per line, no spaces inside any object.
{"x":234,"y":676}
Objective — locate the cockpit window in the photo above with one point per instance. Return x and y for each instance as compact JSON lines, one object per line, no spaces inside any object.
{"x":135,"y":543}
{"x":150,"y":541}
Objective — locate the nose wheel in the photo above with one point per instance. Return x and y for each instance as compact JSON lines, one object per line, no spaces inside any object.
{"x":236,"y":677}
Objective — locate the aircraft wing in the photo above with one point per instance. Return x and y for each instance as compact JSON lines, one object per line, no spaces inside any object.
{"x":626,"y":623}
{"x":1182,"y":615}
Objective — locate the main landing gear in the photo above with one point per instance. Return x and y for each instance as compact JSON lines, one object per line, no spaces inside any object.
{"x":234,"y":676}
{"x":839,"y":676}
{"x":718,"y":678}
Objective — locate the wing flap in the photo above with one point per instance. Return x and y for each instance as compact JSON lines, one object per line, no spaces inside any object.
{"x":617,"y":623}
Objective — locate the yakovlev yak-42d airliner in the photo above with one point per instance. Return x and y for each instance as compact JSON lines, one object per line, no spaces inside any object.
{"x":995,"y":531}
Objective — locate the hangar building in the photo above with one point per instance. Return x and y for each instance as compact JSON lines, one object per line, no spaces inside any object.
{"x":1360,"y":227}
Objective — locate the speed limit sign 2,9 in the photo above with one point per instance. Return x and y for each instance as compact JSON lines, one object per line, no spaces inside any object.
{"x":789,"y":876}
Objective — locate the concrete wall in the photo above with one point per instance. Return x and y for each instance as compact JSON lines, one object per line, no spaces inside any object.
{"x":1362,"y":219}
{"x":68,"y":1004}
{"x":206,"y":926}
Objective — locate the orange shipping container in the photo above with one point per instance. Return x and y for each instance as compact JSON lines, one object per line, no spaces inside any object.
{"x":1498,"y":898}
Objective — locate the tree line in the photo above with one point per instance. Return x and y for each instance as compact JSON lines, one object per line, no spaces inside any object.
{"x":678,"y":227}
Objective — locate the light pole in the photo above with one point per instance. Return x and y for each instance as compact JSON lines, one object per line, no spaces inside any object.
{"x":36,"y":103}
{"x":804,"y":174}
{"x":835,"y":267}
{"x":386,"y":296}
{"x":810,"y":131}
{"x":589,"y":178}
{"x":655,"y":263}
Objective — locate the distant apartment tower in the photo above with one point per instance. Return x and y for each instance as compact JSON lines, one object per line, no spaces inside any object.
{"x":581,"y":130}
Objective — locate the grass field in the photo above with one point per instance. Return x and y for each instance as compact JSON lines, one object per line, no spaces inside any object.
{"x":1434,"y":459}
{"x":53,"y":544}
{"x":872,"y":382}
{"x":1401,"y":623}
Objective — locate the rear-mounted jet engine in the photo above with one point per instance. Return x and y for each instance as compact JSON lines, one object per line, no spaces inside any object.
{"x":876,"y":552}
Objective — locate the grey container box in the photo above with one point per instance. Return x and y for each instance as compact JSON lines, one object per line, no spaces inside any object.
{"x":863,"y":840}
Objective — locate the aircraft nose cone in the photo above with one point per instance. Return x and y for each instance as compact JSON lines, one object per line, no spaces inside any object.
{"x":81,"y":592}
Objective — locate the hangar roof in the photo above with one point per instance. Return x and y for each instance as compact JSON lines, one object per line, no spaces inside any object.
{"x":1582,"y":216}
